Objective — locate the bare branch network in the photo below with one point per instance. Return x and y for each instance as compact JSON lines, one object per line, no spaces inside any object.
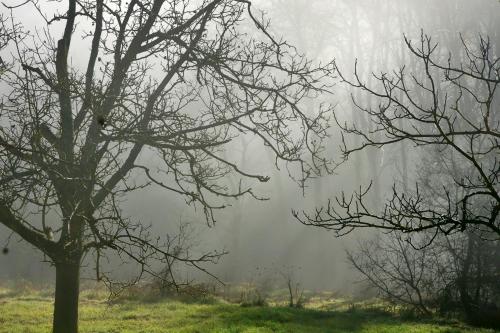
{"x":177,"y":80}
{"x":450,"y":104}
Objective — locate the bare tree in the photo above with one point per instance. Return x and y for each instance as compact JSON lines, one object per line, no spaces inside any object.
{"x":181,"y":245}
{"x":173,"y":82}
{"x":399,"y":272}
{"x":295,"y":290}
{"x":473,"y":289}
{"x":447,"y":273}
{"x":446,"y":104}
{"x":455,"y":274}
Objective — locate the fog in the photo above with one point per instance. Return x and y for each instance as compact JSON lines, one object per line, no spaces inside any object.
{"x":262,"y":235}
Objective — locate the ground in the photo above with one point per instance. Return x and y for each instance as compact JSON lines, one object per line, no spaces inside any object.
{"x":31,"y":313}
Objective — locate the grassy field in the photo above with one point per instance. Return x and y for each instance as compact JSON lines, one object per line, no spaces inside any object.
{"x":31,"y":313}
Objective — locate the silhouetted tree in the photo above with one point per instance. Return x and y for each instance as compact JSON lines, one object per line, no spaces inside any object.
{"x":454,"y":274}
{"x":401,"y":274}
{"x":167,"y":86}
{"x":446,"y":104}
{"x":430,"y":271}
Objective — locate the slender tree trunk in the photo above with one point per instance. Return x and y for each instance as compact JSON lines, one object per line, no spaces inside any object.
{"x":463,"y":281}
{"x":66,"y":298}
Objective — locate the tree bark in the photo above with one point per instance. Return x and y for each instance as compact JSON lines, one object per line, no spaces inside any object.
{"x":66,"y":297}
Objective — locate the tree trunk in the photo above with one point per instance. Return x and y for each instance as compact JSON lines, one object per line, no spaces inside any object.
{"x":66,"y":298}
{"x":463,"y":280}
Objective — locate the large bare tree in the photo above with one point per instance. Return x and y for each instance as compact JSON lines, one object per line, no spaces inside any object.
{"x":166,"y":87}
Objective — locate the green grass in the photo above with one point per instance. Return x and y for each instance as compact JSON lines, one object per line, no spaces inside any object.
{"x":31,"y":313}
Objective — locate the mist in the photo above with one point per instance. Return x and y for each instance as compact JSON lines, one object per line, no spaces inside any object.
{"x":261,"y":236}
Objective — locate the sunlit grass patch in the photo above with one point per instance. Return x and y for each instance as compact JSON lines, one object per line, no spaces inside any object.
{"x":34,"y":315}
